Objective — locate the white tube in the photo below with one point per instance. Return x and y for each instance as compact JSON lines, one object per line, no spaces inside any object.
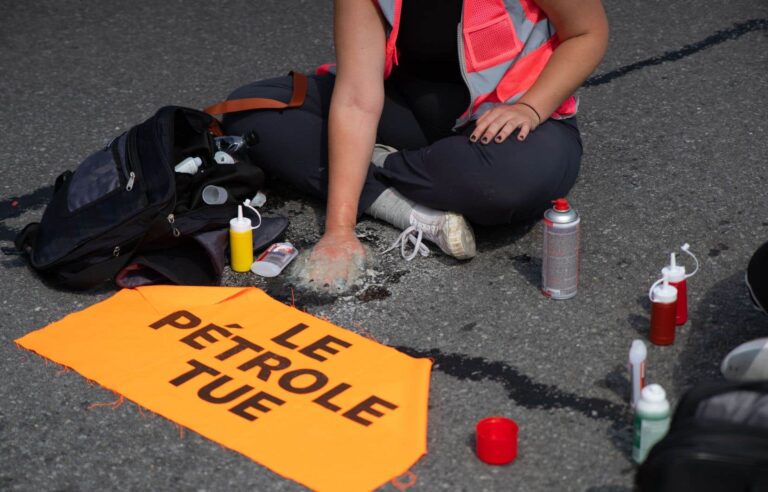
{"x":637,"y":356}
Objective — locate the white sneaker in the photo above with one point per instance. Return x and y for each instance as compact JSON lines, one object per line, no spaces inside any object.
{"x":449,"y":230}
{"x":747,"y":362}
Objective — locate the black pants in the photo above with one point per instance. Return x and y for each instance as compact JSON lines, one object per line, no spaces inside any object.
{"x":495,"y":183}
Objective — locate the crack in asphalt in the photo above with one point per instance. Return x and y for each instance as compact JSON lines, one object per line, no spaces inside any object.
{"x":735,"y":32}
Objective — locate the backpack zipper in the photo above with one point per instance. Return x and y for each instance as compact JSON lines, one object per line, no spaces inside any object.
{"x":126,"y":167}
{"x":131,"y":179}
{"x":171,"y":221}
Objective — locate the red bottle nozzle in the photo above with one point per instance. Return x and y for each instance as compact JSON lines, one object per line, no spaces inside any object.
{"x":561,"y":205}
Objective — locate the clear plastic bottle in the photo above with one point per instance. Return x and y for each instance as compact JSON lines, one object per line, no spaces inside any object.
{"x":230,"y":144}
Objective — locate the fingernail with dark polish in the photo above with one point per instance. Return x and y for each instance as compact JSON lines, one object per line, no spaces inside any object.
{"x":473,"y":138}
{"x":485,"y":139}
{"x":498,"y":139}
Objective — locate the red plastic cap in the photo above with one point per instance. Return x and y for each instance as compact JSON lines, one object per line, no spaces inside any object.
{"x":561,"y":205}
{"x":496,"y":440}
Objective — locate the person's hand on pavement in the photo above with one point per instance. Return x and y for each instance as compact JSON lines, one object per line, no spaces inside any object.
{"x":334,"y":263}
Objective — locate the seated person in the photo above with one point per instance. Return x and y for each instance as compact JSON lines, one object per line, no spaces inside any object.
{"x":440,"y":114}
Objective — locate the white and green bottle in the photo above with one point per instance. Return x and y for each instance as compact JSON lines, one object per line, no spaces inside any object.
{"x":651,"y":420}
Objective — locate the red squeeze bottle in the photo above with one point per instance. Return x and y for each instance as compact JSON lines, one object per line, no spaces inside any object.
{"x":677,"y":279}
{"x":663,"y":311}
{"x":676,"y":275}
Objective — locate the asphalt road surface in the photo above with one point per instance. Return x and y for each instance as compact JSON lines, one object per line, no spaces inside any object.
{"x":676,"y":142}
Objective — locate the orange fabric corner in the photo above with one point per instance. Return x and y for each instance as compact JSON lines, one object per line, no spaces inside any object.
{"x":309,"y":400}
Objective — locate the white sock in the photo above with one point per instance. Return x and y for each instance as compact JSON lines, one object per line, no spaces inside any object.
{"x":380,"y":154}
{"x":392,"y":207}
{"x":402,"y":213}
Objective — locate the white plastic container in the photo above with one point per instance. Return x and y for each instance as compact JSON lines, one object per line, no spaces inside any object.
{"x":190,"y":165}
{"x":214,"y":195}
{"x":274,"y":259}
{"x":651,"y":420}
{"x":637,"y":355}
{"x":222,"y":157}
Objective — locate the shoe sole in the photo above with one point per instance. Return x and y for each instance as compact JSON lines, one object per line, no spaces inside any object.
{"x":459,"y":238}
{"x":752,"y":296}
{"x":747,"y":362}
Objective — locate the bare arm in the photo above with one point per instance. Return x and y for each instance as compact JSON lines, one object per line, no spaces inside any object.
{"x":582,"y":29}
{"x":583,"y":32}
{"x":356,"y":104}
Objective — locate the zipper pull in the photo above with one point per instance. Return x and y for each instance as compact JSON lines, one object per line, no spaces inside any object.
{"x":171,"y":220}
{"x":116,"y":251}
{"x":131,"y":179}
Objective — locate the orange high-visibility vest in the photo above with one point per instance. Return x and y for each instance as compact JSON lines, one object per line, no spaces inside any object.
{"x":503,"y":47}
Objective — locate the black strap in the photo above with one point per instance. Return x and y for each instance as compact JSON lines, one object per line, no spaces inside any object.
{"x":61,"y":179}
{"x":94,"y":275}
{"x":26,"y":239}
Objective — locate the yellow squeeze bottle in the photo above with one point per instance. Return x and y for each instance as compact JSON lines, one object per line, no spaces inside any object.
{"x":240,"y":242}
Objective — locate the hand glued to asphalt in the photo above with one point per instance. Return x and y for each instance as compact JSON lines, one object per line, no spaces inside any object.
{"x":334,"y":265}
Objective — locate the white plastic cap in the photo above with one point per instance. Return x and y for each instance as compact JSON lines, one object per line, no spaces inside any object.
{"x":240,"y":223}
{"x":664,"y":293}
{"x":266,"y":269}
{"x":637,"y":352}
{"x":653,"y":393}
{"x":673,"y":271}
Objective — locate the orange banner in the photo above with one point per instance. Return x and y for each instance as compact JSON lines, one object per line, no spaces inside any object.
{"x":309,"y":400}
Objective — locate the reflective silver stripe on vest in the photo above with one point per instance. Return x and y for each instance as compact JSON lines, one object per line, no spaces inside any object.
{"x":388,"y":9}
{"x":532,"y":35}
{"x":487,"y":80}
{"x":538,"y":34}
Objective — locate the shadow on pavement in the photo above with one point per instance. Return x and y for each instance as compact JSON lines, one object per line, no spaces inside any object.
{"x":723,"y":319}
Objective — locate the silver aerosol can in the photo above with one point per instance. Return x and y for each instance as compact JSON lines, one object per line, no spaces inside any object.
{"x":560,"y":258}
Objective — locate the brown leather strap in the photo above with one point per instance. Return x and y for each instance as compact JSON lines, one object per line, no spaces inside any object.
{"x":235,"y":105}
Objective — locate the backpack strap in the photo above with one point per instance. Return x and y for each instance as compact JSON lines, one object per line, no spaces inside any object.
{"x":26,"y":239}
{"x":94,"y":275}
{"x":251,"y":103}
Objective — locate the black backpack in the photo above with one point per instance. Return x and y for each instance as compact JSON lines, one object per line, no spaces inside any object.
{"x":717,"y":442}
{"x":126,"y":201}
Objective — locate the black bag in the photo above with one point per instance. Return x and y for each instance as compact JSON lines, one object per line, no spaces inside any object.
{"x":717,"y":442}
{"x":126,"y":199}
{"x":120,"y":199}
